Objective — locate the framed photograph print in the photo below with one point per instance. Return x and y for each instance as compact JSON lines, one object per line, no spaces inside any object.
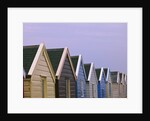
{"x":74,"y":60}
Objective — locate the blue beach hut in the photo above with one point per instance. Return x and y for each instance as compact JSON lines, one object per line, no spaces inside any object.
{"x":81,"y":76}
{"x":101,"y":82}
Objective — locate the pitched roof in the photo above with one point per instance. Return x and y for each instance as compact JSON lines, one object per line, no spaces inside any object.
{"x":29,"y":53}
{"x":98,"y":71}
{"x":74,"y":60}
{"x":87,"y":69}
{"x":55,"y":56}
{"x":114,"y":76}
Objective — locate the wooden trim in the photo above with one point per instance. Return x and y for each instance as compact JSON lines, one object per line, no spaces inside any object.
{"x":61,"y":63}
{"x":78,"y":65}
{"x":107,"y":76}
{"x":49,"y":63}
{"x":68,"y":93}
{"x":45,"y":89}
{"x":117,"y":77}
{"x":83,"y":67}
{"x":125,"y":79}
{"x":80,"y":60}
{"x":43,"y":79}
{"x":100,"y":77}
{"x":68,"y":54}
{"x":90,"y":71}
{"x":35,"y":59}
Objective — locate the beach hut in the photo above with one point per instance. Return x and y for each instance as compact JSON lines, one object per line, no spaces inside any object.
{"x":24,"y":76}
{"x":64,"y":72}
{"x":108,"y":83}
{"x":125,"y":85}
{"x":101,"y":82}
{"x":39,"y":78}
{"x":81,"y":76}
{"x":91,"y":83}
{"x":121,"y":85}
{"x":115,"y":84}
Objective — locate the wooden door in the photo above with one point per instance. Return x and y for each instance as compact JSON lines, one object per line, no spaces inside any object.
{"x":93,"y":91}
{"x":67,"y":88}
{"x":82,"y":88}
{"x":44,"y":87}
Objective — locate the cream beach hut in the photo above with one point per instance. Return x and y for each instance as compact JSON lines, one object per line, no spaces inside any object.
{"x":39,"y":81}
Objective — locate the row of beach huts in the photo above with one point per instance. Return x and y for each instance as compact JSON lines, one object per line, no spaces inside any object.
{"x":53,"y":73}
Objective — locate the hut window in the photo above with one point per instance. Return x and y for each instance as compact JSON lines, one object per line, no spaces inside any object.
{"x":82,"y":88}
{"x":67,"y":88}
{"x":44,"y":87}
{"x":92,"y":90}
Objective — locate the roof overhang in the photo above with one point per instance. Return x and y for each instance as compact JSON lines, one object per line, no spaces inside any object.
{"x":35,"y":59}
{"x":90,"y":71}
{"x":41,"y":49}
{"x":78,"y":65}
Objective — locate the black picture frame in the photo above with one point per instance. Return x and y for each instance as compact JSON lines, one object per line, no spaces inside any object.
{"x":4,"y":4}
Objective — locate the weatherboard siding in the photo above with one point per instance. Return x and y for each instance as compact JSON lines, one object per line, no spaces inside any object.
{"x":93,"y":81}
{"x":27,"y":92}
{"x":108,"y":86}
{"x":103,"y":87}
{"x":125,"y":94}
{"x":42,"y":69}
{"x":87,"y":90}
{"x":124,"y":87}
{"x":108,"y":90}
{"x":81,"y":77}
{"x":115,"y":90}
{"x":121,"y":90}
{"x":99,"y":89}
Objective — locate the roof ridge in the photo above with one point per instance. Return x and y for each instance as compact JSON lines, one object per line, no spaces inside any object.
{"x":55,"y":49}
{"x":75,"y":56}
{"x":29,"y":46}
{"x":87,"y":64}
{"x":98,"y":68}
{"x":114,"y":71}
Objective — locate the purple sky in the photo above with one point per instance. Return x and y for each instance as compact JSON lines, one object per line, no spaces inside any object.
{"x":105,"y":44}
